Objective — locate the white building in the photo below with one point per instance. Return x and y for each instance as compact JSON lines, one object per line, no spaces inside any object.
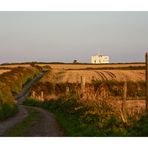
{"x":99,"y":59}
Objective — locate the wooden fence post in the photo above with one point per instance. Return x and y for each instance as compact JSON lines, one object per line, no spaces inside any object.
{"x":82,"y":83}
{"x":67,"y":90}
{"x":33,"y":94}
{"x":42,"y":95}
{"x":124,"y":102}
{"x":54,"y":87}
{"x":146,"y":59}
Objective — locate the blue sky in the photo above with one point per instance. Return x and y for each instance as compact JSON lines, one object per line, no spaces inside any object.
{"x":65,"y":36}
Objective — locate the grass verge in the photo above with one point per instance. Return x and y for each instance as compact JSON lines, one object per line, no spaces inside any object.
{"x":7,"y":110}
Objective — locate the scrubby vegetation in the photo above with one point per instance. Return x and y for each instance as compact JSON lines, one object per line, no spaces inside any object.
{"x":11,"y":83}
{"x":115,"y":88}
{"x":80,"y":117}
{"x":135,"y":90}
{"x":94,"y":112}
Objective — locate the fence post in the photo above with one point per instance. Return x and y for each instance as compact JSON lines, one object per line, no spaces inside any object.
{"x":33,"y":94}
{"x":42,"y":95}
{"x":82,"y":83}
{"x":146,"y":59}
{"x":67,"y":90}
{"x":54,"y":87}
{"x":124,"y":102}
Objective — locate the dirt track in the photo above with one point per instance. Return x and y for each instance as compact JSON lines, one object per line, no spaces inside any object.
{"x":48,"y":127}
{"x":10,"y":122}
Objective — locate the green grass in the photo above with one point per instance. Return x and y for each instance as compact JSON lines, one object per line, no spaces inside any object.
{"x":73,"y":119}
{"x":102,"y":122}
{"x":24,"y":128}
{"x":7,"y":110}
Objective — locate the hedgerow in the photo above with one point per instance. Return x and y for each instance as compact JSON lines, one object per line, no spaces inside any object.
{"x":11,"y":83}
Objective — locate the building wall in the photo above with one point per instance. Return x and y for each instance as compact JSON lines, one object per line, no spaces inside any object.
{"x":99,"y":59}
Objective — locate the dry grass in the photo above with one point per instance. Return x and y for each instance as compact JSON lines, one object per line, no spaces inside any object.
{"x":133,"y":106}
{"x":3,"y":71}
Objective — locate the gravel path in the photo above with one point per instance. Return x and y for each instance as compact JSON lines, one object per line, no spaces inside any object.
{"x":48,"y":127}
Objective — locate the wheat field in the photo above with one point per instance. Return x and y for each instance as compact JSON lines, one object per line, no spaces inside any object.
{"x":72,"y":72}
{"x":3,"y":71}
{"x":85,"y":66}
{"x":74,"y":76}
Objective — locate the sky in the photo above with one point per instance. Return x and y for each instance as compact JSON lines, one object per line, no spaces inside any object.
{"x":54,"y":36}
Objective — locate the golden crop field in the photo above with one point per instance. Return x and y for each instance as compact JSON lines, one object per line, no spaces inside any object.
{"x":15,"y":66}
{"x":84,"y":66}
{"x":3,"y":71}
{"x":72,"y":72}
{"x":74,"y":76}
